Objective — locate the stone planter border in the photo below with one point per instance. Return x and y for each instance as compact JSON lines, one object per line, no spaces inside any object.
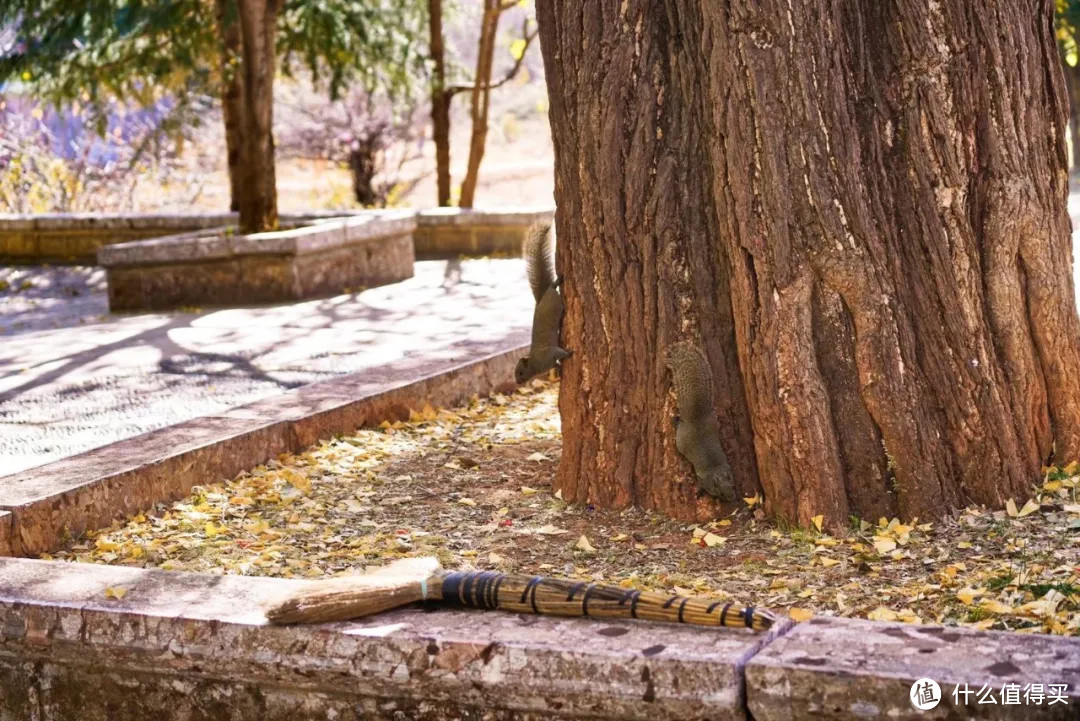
{"x":76,"y":237}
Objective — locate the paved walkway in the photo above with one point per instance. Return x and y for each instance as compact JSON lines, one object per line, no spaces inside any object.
{"x":73,"y":377}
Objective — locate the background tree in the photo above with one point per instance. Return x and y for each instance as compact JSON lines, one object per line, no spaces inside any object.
{"x":141,"y":51}
{"x":857,"y":209}
{"x":370,"y":134}
{"x":1068,"y":33}
{"x":443,"y":91}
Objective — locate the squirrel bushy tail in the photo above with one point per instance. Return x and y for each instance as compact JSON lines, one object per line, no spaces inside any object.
{"x":545,"y":351}
{"x":697,"y":430}
{"x":539,"y":253}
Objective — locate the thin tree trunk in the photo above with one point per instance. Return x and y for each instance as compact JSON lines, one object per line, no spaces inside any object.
{"x":232,"y":98}
{"x":440,"y":102}
{"x":258,"y":187}
{"x":857,"y":209}
{"x":480,"y":99}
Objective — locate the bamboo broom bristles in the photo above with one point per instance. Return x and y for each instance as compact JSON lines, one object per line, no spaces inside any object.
{"x":422,"y":579}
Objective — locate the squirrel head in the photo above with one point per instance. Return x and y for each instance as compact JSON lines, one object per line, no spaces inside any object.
{"x":521,"y":370}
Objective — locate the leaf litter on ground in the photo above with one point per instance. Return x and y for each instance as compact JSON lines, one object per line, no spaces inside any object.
{"x":473,"y":486}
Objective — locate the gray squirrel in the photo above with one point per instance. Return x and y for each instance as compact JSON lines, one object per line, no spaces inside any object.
{"x":697,"y":431}
{"x":545,"y":351}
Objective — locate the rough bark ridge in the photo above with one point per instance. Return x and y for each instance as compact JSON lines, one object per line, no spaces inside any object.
{"x":858,"y":208}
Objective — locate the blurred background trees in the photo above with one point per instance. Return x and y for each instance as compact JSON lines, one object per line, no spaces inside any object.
{"x":357,"y":85}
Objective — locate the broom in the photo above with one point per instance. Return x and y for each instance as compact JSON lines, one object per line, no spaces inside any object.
{"x":423,"y":579}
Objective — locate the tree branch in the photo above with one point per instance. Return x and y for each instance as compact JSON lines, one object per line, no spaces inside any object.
{"x":528,"y":37}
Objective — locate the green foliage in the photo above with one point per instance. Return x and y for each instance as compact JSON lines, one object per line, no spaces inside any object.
{"x":141,"y":49}
{"x":1067,"y":24}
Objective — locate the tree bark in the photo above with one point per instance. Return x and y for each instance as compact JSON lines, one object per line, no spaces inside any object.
{"x":258,"y":187}
{"x":480,"y":99}
{"x":857,"y":209}
{"x":232,"y":108}
{"x":440,"y":102}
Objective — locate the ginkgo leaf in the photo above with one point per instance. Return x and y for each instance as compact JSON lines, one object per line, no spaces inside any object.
{"x":798,"y":615}
{"x":818,"y":521}
{"x":992,"y":606}
{"x":882,"y":614}
{"x":884,"y":545}
{"x":115,"y":592}
{"x":711,"y":540}
{"x":584,"y":545}
{"x":967,"y":595}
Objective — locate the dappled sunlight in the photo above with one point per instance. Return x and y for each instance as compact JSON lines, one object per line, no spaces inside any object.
{"x":74,"y":388}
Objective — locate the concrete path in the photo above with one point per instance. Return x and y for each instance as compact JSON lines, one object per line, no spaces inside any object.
{"x":73,"y":377}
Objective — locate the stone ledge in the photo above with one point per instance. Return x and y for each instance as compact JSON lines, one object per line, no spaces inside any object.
{"x":456,"y":232}
{"x":463,"y":217}
{"x":321,"y":235}
{"x":847,"y":669}
{"x":180,"y":646}
{"x":76,"y":237}
{"x":90,"y":490}
{"x":216,"y":268}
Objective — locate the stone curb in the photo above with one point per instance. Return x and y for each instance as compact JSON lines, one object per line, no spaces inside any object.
{"x":838,"y":668}
{"x":47,"y":504}
{"x":462,"y":217}
{"x":214,"y":244}
{"x":182,"y":645}
{"x":77,"y":237}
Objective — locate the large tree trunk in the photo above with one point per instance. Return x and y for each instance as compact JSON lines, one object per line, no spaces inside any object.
{"x":480,"y":99}
{"x":232,"y":98}
{"x":440,"y":102}
{"x":856,"y":208}
{"x":257,"y":202}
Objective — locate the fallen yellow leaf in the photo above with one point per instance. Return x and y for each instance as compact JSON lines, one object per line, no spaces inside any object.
{"x":826,"y":562}
{"x":115,"y":592}
{"x":798,"y":615}
{"x":992,"y":606}
{"x":968,"y":594}
{"x":711,"y":539}
{"x":818,"y":521}
{"x":466,"y":501}
{"x":884,"y":545}
{"x":1029,"y":508}
{"x":584,"y":545}
{"x":881,"y":614}
{"x":1010,"y":508}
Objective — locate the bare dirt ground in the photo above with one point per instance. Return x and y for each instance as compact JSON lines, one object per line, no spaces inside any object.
{"x":473,"y":486}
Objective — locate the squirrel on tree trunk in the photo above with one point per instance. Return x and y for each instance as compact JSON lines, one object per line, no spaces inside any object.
{"x":545,"y":351}
{"x":697,"y":431}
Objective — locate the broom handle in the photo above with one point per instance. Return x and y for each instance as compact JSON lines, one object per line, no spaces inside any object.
{"x":559,"y":597}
